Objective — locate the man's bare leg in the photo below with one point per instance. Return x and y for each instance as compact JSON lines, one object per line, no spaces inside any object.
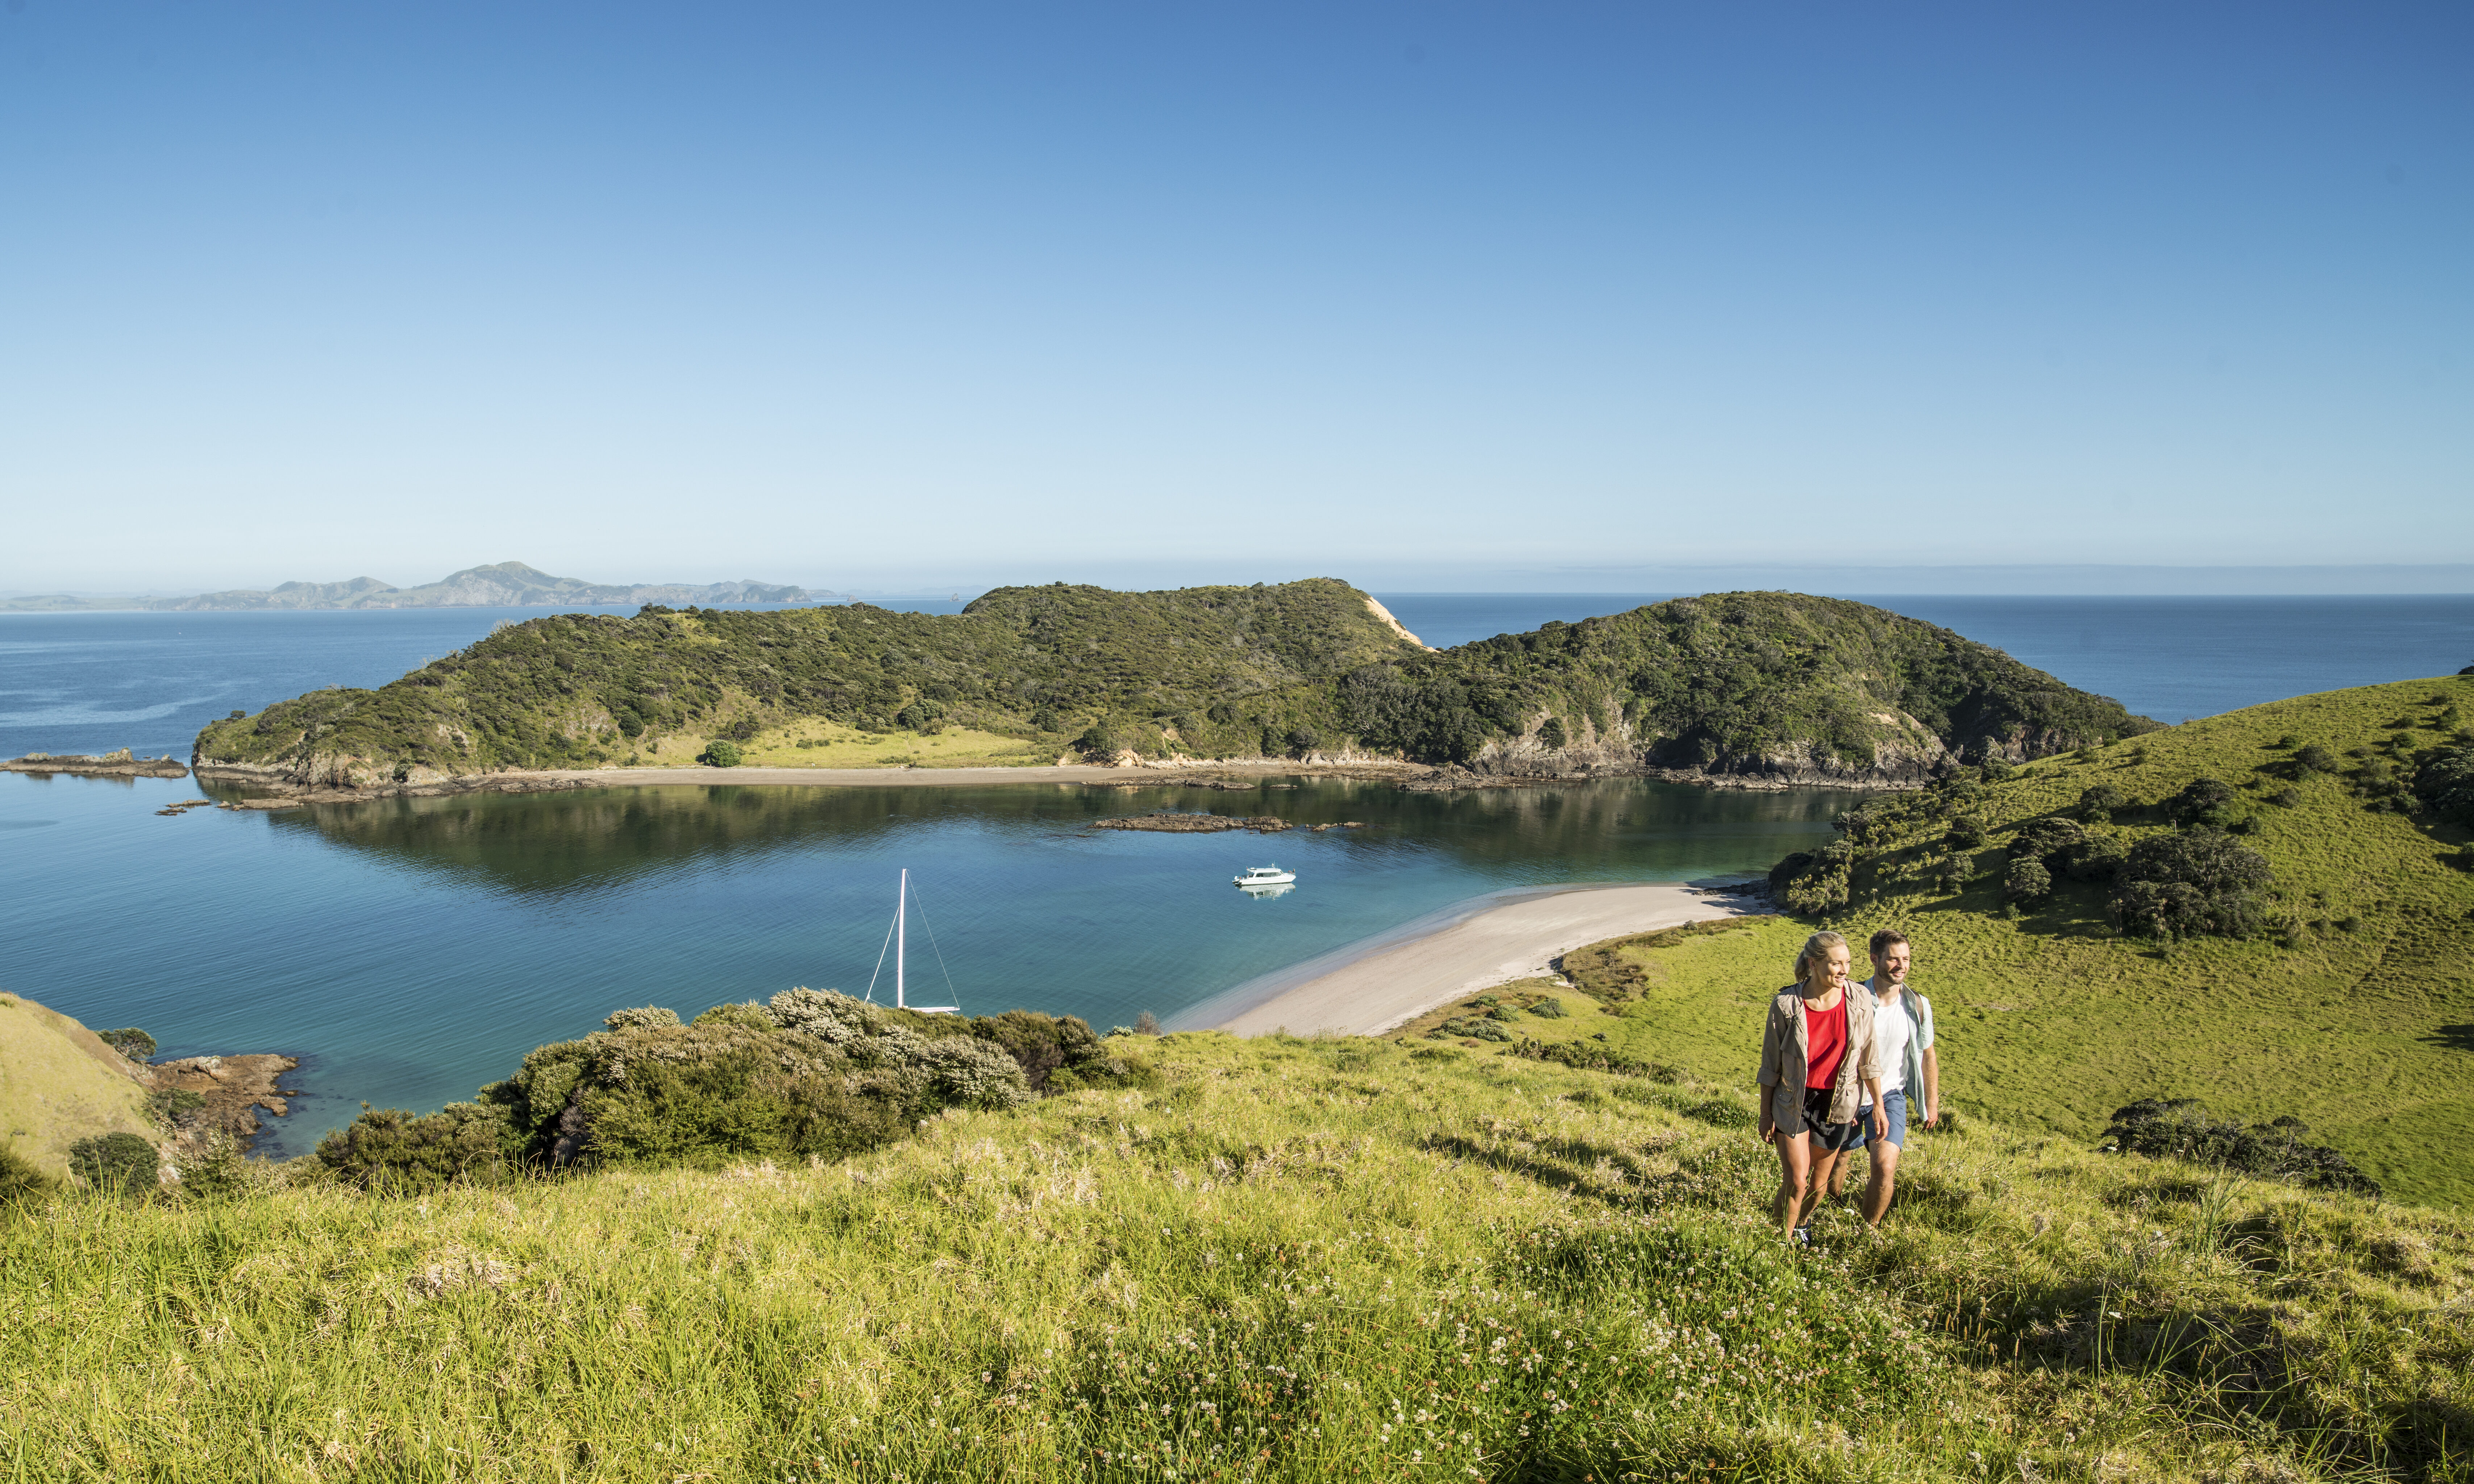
{"x":1876,"y":1185}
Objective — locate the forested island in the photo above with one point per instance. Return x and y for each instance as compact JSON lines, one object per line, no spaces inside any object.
{"x":1747,"y":686}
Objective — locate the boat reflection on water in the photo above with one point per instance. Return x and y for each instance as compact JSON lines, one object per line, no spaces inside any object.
{"x":1268,"y":889}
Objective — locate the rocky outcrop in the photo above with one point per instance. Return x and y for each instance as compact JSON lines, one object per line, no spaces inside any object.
{"x":330,"y":781}
{"x":1169,"y":822}
{"x":119,"y":764}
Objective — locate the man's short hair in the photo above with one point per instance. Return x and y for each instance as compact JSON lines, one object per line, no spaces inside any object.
{"x":1883,"y":939}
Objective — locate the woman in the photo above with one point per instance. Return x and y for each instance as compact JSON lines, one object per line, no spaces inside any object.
{"x":1819,"y":1064}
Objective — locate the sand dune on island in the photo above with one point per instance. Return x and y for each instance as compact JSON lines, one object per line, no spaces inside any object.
{"x":1368,"y":988}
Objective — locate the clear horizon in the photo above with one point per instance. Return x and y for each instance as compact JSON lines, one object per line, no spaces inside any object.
{"x":1429,"y":298}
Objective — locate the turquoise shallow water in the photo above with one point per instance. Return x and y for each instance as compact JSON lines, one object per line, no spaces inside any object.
{"x":412,"y":950}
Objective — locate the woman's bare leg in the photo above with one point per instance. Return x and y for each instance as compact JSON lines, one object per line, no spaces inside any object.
{"x":1824,"y":1176}
{"x":1795,"y":1176}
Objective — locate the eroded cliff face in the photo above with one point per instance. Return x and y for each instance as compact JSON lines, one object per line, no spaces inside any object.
{"x":1904,"y":753}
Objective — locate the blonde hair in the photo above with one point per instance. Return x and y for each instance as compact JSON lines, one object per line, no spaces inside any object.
{"x":1816,"y":948}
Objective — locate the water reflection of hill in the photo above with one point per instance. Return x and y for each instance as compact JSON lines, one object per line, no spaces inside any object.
{"x":556,"y":843}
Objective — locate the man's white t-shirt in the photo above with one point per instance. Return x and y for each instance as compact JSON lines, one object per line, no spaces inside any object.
{"x":1891,"y":1029}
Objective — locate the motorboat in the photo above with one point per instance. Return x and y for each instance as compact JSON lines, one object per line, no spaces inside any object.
{"x":1266,"y":876}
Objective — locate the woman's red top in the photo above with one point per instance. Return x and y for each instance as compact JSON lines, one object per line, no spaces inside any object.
{"x":1825,"y":1034}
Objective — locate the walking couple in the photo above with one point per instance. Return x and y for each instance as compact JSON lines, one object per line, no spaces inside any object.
{"x":1840,"y":1064}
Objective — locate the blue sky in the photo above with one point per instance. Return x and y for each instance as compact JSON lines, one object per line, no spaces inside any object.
{"x":1452,"y":297}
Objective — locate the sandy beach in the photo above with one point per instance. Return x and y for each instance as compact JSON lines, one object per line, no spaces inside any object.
{"x":1366,"y":994}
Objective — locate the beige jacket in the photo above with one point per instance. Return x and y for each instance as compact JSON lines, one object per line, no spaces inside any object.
{"x":1787,"y":1047}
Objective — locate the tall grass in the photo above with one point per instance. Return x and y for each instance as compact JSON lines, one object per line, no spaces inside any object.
{"x":1293,"y":1260}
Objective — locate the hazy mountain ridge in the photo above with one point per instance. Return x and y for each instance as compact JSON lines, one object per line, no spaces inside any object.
{"x":498,"y":585}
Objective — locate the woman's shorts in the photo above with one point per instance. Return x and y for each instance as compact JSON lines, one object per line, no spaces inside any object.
{"x":1894,"y":1107}
{"x":1801,"y":1111}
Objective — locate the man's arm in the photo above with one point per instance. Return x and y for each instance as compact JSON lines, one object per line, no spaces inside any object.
{"x":1881,"y":1115}
{"x":1932,"y":1086}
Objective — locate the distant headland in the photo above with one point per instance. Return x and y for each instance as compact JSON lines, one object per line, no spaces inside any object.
{"x":500,"y":585}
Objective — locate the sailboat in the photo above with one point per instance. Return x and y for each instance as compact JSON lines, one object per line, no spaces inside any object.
{"x":898,"y":939}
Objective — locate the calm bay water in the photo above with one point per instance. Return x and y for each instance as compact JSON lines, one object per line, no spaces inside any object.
{"x":413,"y":949}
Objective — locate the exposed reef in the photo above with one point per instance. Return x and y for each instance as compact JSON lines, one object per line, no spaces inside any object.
{"x":119,"y":764}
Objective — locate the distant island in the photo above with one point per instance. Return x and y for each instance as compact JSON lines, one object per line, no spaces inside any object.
{"x":500,"y":585}
{"x":1759,"y":690}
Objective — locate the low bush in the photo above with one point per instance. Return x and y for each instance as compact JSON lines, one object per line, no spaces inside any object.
{"x":2027,"y":881}
{"x":2096,"y":804}
{"x":1473,"y":1028}
{"x":2181,"y":1129}
{"x":172,"y":1107}
{"x":2201,"y":800}
{"x":721,"y":753}
{"x":2193,"y":882}
{"x":129,"y":1042}
{"x":2445,"y":785}
{"x":21,"y":1178}
{"x":116,"y":1163}
{"x":394,"y":1152}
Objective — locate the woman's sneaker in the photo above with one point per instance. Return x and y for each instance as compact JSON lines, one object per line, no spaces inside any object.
{"x":1803,"y":1235}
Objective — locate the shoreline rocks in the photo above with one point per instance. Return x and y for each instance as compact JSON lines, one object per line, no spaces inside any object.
{"x":119,"y":764}
{"x":235,"y":1088}
{"x":1169,"y":822}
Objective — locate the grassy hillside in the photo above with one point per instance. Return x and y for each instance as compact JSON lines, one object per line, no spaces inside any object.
{"x":2353,"y":1007}
{"x":58,"y":1084}
{"x":1771,"y":683}
{"x":1289,"y":1260}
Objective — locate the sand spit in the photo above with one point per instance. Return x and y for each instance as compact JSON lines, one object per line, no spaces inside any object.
{"x":1366,"y":994}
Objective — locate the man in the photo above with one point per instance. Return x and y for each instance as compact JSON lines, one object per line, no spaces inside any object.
{"x":1902,"y":1025}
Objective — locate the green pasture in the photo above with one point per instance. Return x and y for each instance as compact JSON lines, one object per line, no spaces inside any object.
{"x":1293,"y":1260}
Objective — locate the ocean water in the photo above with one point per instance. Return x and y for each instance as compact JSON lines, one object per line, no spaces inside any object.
{"x":412,"y":950}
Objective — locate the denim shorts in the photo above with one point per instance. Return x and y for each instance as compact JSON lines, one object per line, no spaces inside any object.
{"x":1894,"y":1107}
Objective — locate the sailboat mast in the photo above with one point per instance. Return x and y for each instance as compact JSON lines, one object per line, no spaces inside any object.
{"x":901,"y":937}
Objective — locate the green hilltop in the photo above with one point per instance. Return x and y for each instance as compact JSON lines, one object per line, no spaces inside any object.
{"x":1775,"y":685}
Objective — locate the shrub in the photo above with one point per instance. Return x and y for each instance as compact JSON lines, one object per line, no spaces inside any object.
{"x":1302,"y":741}
{"x":2181,"y":1129}
{"x":721,"y":753}
{"x":1551,"y":733}
{"x":2194,"y":882}
{"x":2199,"y":802}
{"x":1548,"y":1008}
{"x":1475,"y":1028}
{"x":2286,"y":798}
{"x":2093,"y":858}
{"x":170,"y":1106}
{"x":2098,"y":804}
{"x":395,"y":1152}
{"x":2039,"y":839}
{"x":21,"y":1178}
{"x":2315,"y":758}
{"x":2445,"y":785}
{"x":1098,"y":741}
{"x":116,"y":1163}
{"x":2028,"y":880}
{"x":1047,"y":719}
{"x":743,"y":729}
{"x":1589,"y":1056}
{"x":129,"y":1042}
{"x":751,"y":1016}
{"x":923,"y":716}
{"x":1965,"y":835}
{"x":1048,"y":1047}
{"x":634,"y":1019}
